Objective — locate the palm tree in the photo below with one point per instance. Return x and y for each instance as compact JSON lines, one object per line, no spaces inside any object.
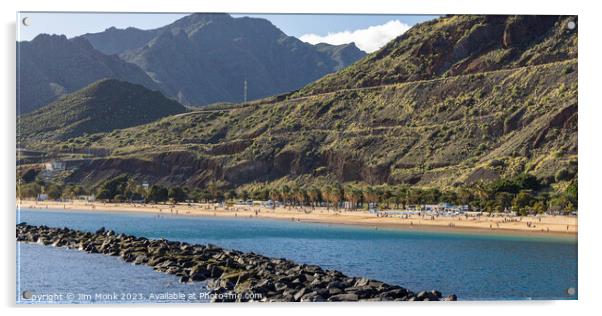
{"x":370,"y":196}
{"x":385,"y":195}
{"x":326,"y":195}
{"x":285,"y":192}
{"x":214,"y":190}
{"x":230,"y":195}
{"x":400,"y":196}
{"x":353,"y":195}
{"x":336,"y":195}
{"x":301,"y":196}
{"x":481,"y":192}
{"x":244,"y":194}
{"x":314,"y":196}
{"x":275,"y":195}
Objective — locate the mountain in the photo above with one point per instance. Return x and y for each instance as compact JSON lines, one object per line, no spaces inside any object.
{"x":343,"y":55}
{"x":461,"y":45}
{"x":50,"y":66}
{"x":206,"y":58}
{"x":114,"y":41}
{"x":454,"y":101}
{"x":102,"y":106}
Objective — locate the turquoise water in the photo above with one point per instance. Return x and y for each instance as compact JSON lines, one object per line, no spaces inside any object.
{"x":474,"y":267}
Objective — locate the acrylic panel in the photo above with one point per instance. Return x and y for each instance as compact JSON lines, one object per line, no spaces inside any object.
{"x":215,"y":157}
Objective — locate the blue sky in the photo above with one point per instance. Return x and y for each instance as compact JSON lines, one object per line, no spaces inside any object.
{"x":368,"y":31}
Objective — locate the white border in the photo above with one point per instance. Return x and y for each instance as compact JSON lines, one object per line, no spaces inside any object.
{"x":589,"y":143}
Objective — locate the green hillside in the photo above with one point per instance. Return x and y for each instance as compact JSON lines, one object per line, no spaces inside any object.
{"x":102,"y":106}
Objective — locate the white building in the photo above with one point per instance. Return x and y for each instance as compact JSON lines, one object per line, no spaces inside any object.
{"x":88,"y":198}
{"x":55,"y":165}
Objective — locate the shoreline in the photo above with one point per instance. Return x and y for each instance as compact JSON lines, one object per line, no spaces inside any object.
{"x":550,"y":226}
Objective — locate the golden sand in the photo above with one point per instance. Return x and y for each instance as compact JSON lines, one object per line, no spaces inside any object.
{"x":532,"y":225}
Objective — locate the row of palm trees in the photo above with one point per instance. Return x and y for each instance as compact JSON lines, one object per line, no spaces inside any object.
{"x":351,"y":196}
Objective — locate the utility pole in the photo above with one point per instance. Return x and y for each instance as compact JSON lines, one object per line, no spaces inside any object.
{"x":245,"y":91}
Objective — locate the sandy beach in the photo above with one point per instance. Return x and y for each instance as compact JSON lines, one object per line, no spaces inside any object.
{"x":527,"y":225}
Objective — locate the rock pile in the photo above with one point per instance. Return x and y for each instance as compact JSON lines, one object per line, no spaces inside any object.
{"x":232,"y":276}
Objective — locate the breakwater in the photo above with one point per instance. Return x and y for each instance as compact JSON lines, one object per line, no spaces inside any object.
{"x":231,"y":275}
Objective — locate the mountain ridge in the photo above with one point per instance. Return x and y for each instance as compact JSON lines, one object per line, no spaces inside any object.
{"x":181,"y":57}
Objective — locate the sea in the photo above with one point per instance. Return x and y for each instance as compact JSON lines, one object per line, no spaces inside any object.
{"x":474,"y":266}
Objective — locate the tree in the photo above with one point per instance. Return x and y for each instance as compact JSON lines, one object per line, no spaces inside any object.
{"x":177,"y":194}
{"x":132,"y":190}
{"x":119,"y":198}
{"x":28,"y":190}
{"x":244,"y":194}
{"x":113,"y":186}
{"x":275,"y":195}
{"x":571,"y":193}
{"x":432,"y":196}
{"x":314,"y":195}
{"x":54,"y":191}
{"x":415,"y":196}
{"x":104,"y":194}
{"x":336,"y":195}
{"x":157,"y":194}
{"x":448,"y":197}
{"x":521,"y":202}
{"x":326,"y":195}
{"x":540,"y":207}
{"x":285,"y":193}
{"x":465,"y":196}
{"x":399,"y":197}
{"x":215,"y":191}
{"x":527,"y":182}
{"x":301,"y":196}
{"x":482,"y":193}
{"x":203,"y":196}
{"x":353,"y":195}
{"x":230,"y":195}
{"x":370,"y":196}
{"x":503,"y":200}
{"x":385,"y":195}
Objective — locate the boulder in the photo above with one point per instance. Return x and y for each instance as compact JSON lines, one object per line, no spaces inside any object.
{"x":347,"y":297}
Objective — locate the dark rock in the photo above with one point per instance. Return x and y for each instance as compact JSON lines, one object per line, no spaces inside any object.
{"x":348,"y":297}
{"x":452,"y":297}
{"x":279,"y":286}
{"x":299,"y":294}
{"x":231,"y":273}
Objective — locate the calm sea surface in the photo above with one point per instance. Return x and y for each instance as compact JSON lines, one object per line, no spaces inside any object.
{"x":473,"y":266}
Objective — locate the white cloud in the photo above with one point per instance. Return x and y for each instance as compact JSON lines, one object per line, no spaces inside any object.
{"x":368,"y":39}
